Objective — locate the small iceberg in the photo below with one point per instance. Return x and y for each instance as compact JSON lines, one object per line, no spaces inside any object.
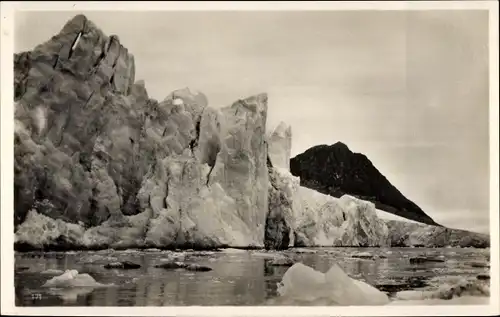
{"x":303,"y":284}
{"x":71,"y":278}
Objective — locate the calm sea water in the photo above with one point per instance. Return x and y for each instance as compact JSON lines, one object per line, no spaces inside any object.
{"x":238,"y":277}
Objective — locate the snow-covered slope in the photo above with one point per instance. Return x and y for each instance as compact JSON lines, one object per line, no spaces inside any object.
{"x":384,"y":215}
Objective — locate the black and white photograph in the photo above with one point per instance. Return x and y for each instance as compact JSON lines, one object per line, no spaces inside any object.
{"x":270,"y":158}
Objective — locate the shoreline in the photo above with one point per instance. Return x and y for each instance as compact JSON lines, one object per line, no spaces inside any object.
{"x":25,"y":248}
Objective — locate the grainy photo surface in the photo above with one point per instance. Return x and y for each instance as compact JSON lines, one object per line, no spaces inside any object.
{"x":251,"y":158}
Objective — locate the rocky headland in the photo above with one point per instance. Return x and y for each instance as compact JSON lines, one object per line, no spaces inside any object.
{"x":100,"y":164}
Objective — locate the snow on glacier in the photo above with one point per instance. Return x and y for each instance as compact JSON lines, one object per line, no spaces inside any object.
{"x":384,"y":215}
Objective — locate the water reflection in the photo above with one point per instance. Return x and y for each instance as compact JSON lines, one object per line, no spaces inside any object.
{"x":236,"y":279}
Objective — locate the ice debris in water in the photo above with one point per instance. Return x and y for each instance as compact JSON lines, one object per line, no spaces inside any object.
{"x":363,"y":255}
{"x":71,"y":278}
{"x":447,"y":292}
{"x":464,"y":300}
{"x":98,"y":259}
{"x":299,"y":250}
{"x":268,"y":254}
{"x":232,"y":250}
{"x":153,"y":250}
{"x":52,"y":272}
{"x":302,"y":283}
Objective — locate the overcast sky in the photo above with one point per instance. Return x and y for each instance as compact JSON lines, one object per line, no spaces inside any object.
{"x":408,"y":89}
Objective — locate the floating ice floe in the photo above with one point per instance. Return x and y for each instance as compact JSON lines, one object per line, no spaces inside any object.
{"x":104,"y":251}
{"x":98,"y":259}
{"x":232,"y":250}
{"x":152,"y":250}
{"x":303,"y":284}
{"x":300,"y":250}
{"x":178,"y":256}
{"x":52,"y":272}
{"x":463,"y":288}
{"x":464,"y":300}
{"x":268,"y":255}
{"x":280,"y":261}
{"x":71,"y":278}
{"x":363,"y":255}
{"x":197,"y":253}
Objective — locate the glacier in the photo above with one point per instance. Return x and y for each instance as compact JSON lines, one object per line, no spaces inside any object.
{"x":100,"y":164}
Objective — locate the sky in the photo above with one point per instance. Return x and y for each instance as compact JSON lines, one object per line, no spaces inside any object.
{"x":409,"y":89}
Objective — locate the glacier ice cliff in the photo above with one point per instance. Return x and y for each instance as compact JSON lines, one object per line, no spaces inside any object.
{"x":99,"y":164}
{"x":408,"y":234}
{"x":323,"y":220}
{"x":280,"y":146}
{"x":282,"y":208}
{"x":300,"y":216}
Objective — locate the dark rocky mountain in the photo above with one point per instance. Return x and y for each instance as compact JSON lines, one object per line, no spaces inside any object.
{"x":335,"y":170}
